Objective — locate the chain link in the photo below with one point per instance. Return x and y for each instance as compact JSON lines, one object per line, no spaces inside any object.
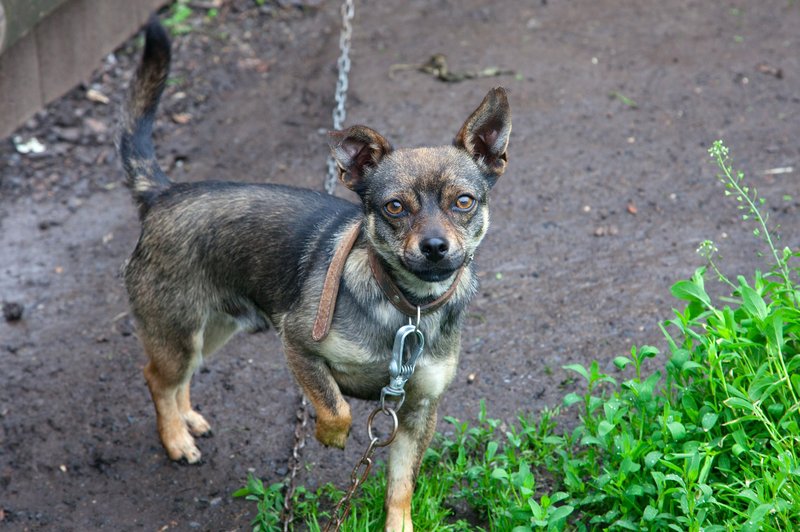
{"x":339,"y":114}
{"x":287,"y":515}
{"x":342,"y":84}
{"x":400,"y":370}
{"x":362,"y":467}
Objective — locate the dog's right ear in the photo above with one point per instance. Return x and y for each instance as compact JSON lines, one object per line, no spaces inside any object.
{"x":356,"y":150}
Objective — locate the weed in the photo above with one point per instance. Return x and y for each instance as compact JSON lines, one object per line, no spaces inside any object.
{"x":748,"y":201}
{"x":178,"y":19}
{"x":711,"y":447}
{"x":269,"y":502}
{"x":708,"y":442}
{"x":624,"y":99}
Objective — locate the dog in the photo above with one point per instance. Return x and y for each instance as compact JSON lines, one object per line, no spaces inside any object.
{"x":215,"y":258}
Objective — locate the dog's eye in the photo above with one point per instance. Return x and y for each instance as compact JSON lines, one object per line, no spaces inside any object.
{"x":394,"y":209}
{"x":464,"y":203}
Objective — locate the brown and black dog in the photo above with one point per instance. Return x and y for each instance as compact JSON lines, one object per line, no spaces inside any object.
{"x":215,"y":258}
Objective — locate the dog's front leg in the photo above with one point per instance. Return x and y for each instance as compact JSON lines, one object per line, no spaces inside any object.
{"x":417,"y":424}
{"x":333,"y":412}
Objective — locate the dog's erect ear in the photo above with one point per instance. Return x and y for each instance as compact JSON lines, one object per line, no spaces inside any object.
{"x":355,"y":150}
{"x":485,"y":133}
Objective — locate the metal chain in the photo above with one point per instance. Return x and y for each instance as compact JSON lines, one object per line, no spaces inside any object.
{"x":362,"y":467}
{"x":339,"y":114}
{"x":404,"y":360}
{"x":343,"y":63}
{"x":287,"y":515}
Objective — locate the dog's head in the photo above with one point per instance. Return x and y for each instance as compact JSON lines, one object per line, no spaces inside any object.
{"x":426,"y":208}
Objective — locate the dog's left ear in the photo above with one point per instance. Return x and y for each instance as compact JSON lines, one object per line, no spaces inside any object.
{"x":485,"y":134}
{"x":356,"y":150}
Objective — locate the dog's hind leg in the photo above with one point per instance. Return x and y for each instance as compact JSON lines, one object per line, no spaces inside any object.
{"x":218,"y":330}
{"x":168,"y":374}
{"x":197,"y":424}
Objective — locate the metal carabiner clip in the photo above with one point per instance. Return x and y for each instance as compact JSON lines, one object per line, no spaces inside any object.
{"x":401,"y":368}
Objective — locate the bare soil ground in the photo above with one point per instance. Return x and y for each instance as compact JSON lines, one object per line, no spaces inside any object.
{"x":608,"y":194}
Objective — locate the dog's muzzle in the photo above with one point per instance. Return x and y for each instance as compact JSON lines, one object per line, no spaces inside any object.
{"x":432,"y":271}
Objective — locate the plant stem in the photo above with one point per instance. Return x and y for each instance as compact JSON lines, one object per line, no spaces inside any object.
{"x":721,"y":156}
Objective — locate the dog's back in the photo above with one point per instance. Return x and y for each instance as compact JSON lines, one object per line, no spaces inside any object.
{"x":240,"y":249}
{"x":207,"y":244}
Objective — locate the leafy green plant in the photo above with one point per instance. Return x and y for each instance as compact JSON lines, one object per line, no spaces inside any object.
{"x":476,"y":465}
{"x":269,"y":502}
{"x":713,"y":446}
{"x":178,"y":19}
{"x":707,"y":442}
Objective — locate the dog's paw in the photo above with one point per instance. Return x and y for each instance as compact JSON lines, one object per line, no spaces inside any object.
{"x":197,"y":424}
{"x":185,"y":462}
{"x":332,"y":439}
{"x":181,"y":448}
{"x":334,"y":432}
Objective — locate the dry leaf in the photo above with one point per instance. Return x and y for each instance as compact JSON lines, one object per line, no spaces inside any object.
{"x":181,"y":118}
{"x":97,"y":96}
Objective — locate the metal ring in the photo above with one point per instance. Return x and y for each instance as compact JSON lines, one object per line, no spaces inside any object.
{"x":419,"y":317}
{"x":389,"y":412}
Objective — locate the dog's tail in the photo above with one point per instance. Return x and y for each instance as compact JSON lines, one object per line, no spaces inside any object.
{"x":135,"y":145}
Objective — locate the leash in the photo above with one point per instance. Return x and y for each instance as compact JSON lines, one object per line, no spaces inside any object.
{"x":406,"y":352}
{"x":408,"y":342}
{"x":330,"y":288}
{"x":339,"y":114}
{"x":401,"y":367}
{"x":342,"y":84}
{"x":287,"y":514}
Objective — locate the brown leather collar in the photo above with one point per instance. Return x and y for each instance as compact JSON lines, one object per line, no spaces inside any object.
{"x":330,"y":288}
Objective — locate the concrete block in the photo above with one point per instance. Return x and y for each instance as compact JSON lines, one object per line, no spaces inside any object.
{"x":63,"y":50}
{"x":20,"y":93}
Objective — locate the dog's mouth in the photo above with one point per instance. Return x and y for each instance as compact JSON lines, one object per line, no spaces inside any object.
{"x":433,"y":272}
{"x":434,"y":276}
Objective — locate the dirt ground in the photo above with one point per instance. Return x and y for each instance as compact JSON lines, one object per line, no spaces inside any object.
{"x":609,"y":193}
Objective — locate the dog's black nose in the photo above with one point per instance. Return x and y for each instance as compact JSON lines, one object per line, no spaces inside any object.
{"x":434,"y":248}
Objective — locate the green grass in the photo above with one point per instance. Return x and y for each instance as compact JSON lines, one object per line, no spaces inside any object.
{"x":624,"y":99}
{"x":709,"y":441}
{"x":179,"y":17}
{"x":177,"y":21}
